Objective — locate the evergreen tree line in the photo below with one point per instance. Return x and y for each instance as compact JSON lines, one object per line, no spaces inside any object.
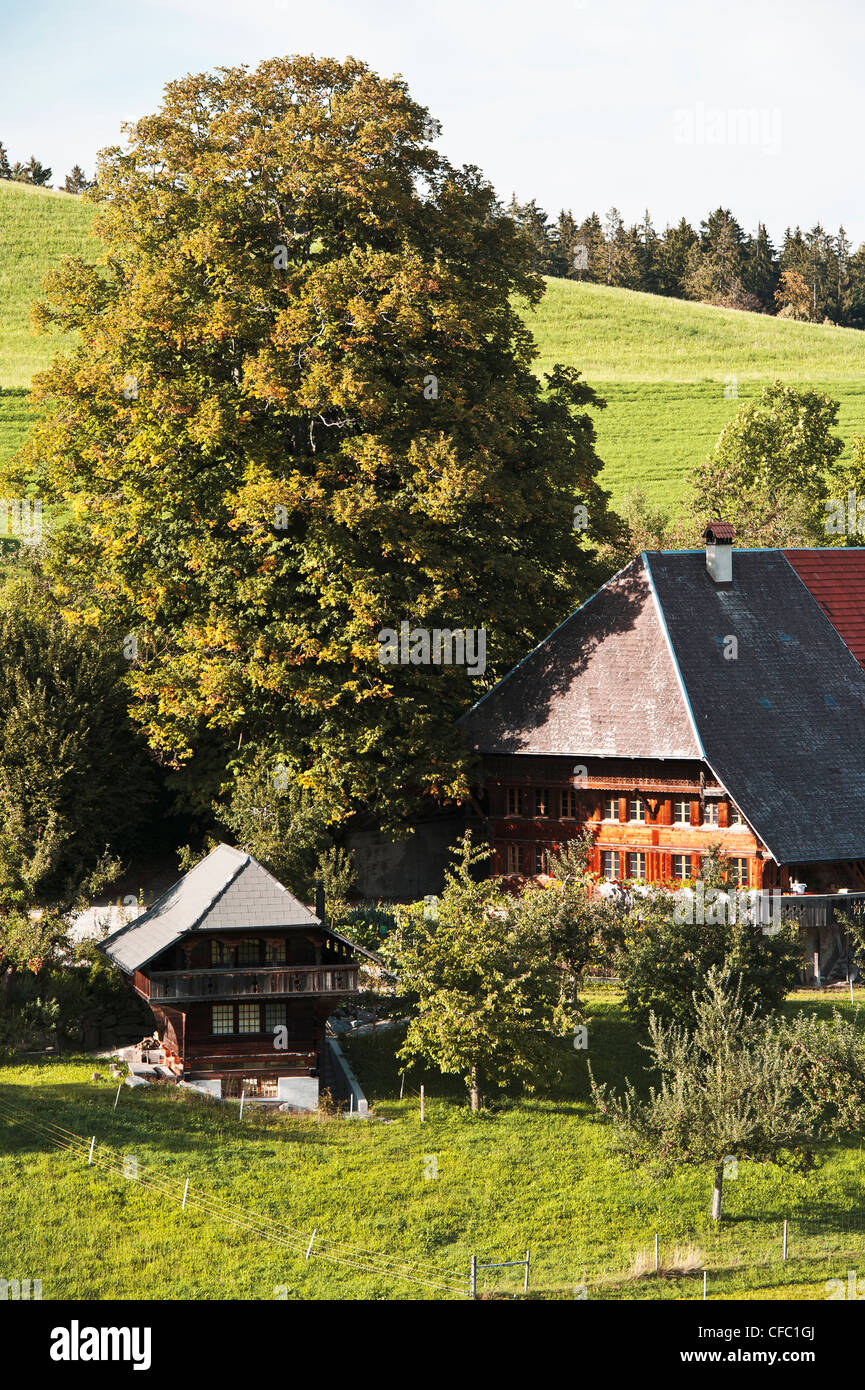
{"x":814,"y":276}
{"x":38,"y":174}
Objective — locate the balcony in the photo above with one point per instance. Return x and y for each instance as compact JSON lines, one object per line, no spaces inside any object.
{"x":254,"y":981}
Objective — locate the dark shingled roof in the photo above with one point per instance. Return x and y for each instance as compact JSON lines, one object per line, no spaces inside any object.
{"x":226,"y":891}
{"x":782,"y":725}
{"x":640,"y":672}
{"x":602,"y":685}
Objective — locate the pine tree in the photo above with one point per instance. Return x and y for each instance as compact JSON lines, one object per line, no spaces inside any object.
{"x":37,"y":174}
{"x":77,"y":181}
{"x":761,"y":268}
{"x":671,"y":258}
{"x":5,"y":170}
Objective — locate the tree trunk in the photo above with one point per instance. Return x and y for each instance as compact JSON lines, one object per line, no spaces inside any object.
{"x":716,"y":1195}
{"x":475,"y":1089}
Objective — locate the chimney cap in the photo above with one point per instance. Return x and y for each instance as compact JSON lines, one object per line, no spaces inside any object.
{"x":721,"y":531}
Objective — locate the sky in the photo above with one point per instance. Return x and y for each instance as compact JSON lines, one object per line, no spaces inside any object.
{"x":677,"y":106}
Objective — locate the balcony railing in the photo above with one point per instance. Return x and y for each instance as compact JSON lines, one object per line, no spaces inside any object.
{"x":238,"y":984}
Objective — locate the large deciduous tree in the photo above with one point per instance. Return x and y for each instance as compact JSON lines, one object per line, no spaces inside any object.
{"x":301,"y":411}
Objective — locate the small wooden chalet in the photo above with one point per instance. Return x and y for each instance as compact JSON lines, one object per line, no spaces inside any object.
{"x":699,"y":696}
{"x":239,"y":975}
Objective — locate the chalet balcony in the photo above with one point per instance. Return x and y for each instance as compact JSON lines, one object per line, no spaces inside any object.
{"x":252,"y":981}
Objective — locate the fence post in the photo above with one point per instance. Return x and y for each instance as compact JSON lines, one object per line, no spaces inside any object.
{"x":185,"y":1190}
{"x":90,"y":1155}
{"x":526,"y":1284}
{"x":785,"y":1239}
{"x":421,"y":1105}
{"x":704,"y":1286}
{"x":117,"y":1097}
{"x":473,"y":1276}
{"x":656,"y":1252}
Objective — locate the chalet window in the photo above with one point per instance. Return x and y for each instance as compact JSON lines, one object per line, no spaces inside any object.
{"x":542,"y":801}
{"x":636,"y":866}
{"x":710,"y":813}
{"x":611,"y":808}
{"x":249,"y":952}
{"x":268,"y":1087}
{"x":542,"y":860}
{"x":516,"y":801}
{"x":274,"y":952}
{"x":220,"y":954}
{"x":738,"y":872}
{"x":274,"y":1015}
{"x":637,"y":810}
{"x":682,"y":811}
{"x":513,"y":859}
{"x":735,"y":815}
{"x":681,"y":866}
{"x":248,"y":1018}
{"x":222,"y":1018}
{"x":569,"y":805}
{"x":610,"y":863}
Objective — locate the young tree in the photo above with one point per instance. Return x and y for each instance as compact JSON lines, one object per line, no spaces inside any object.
{"x":302,"y":412}
{"x":730,"y":1089}
{"x":488,"y":995}
{"x":5,"y":169}
{"x":772,"y":469}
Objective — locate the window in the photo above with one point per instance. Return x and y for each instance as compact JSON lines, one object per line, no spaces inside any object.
{"x":222,"y":1018}
{"x":611,"y":808}
{"x":516,"y":801}
{"x":735,"y":815}
{"x":274,"y":952}
{"x":681,"y":866}
{"x":248,"y":1019}
{"x":637,"y":811}
{"x":738,"y":872}
{"x":220,"y":954}
{"x":542,"y":859}
{"x":513,"y":859}
{"x":542,"y":801}
{"x":610,"y":863}
{"x":274,"y":1015}
{"x":682,"y":811}
{"x":636,"y":866}
{"x":269,"y":1088}
{"x":710,"y":813}
{"x":569,"y":805}
{"x":249,"y":952}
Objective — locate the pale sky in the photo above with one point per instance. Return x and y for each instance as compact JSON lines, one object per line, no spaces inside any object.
{"x":678,"y":105}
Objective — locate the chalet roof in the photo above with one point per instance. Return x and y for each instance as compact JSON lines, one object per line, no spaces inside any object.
{"x":640,"y":671}
{"x":226,"y":891}
{"x":604,"y":684}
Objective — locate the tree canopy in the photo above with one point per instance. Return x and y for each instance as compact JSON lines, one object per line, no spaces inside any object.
{"x":301,"y":410}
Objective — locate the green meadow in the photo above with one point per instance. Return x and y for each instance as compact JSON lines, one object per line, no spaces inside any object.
{"x":672,"y":372}
{"x":390,"y":1197}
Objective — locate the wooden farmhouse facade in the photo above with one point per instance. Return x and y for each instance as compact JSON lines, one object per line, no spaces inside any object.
{"x":699,"y":697}
{"x":239,"y":975}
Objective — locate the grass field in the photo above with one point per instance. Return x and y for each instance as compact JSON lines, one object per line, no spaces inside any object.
{"x":536,"y":1173}
{"x":672,"y":372}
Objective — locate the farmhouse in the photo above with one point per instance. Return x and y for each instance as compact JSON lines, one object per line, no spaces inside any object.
{"x":240,"y":978}
{"x":698,"y":697}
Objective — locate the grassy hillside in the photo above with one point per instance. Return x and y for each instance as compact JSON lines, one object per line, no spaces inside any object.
{"x":662,"y":365}
{"x":536,"y":1173}
{"x":37,"y":228}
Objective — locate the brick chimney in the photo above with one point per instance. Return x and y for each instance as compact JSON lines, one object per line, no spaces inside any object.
{"x":719,"y":537}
